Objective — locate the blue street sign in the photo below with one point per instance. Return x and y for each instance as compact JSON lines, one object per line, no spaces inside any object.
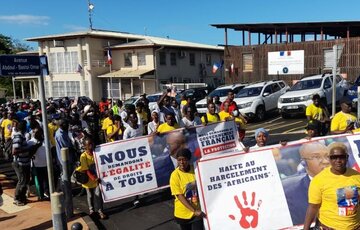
{"x":19,"y":65}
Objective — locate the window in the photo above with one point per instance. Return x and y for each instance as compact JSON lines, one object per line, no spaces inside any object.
{"x":275,"y":87}
{"x":327,"y":83}
{"x":282,"y":84}
{"x":63,"y":62}
{"x":267,"y":89}
{"x":208,"y":59}
{"x":247,"y":62}
{"x":162,"y":56}
{"x":192,"y":59}
{"x":141,"y":58}
{"x":68,"y":88}
{"x":128,"y":59}
{"x":173,"y":58}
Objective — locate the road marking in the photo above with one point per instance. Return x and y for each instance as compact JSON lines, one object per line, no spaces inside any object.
{"x":282,"y":126}
{"x":298,"y":129}
{"x":9,"y":207}
{"x":271,"y":121}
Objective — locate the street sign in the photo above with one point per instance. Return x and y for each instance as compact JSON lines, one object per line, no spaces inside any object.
{"x":19,"y":65}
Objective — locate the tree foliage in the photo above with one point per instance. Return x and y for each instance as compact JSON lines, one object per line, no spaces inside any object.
{"x":10,"y":46}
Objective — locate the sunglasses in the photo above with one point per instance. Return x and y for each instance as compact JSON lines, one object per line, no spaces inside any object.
{"x":340,"y":157}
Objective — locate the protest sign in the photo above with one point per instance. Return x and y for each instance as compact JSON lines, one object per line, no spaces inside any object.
{"x":236,"y":184}
{"x":218,"y":137}
{"x":222,"y":178}
{"x":132,"y":167}
{"x":125,"y":168}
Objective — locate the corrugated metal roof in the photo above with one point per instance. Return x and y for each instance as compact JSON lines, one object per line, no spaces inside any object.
{"x":336,"y":28}
{"x":123,"y":35}
{"x":124,"y":73}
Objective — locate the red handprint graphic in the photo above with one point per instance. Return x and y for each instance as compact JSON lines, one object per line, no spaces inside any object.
{"x":249,"y":215}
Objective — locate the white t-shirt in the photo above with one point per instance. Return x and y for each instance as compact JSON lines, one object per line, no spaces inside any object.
{"x":152,"y":127}
{"x":187,"y":123}
{"x":130,"y":132}
{"x":40,"y":155}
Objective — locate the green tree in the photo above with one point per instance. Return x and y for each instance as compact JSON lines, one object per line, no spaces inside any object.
{"x":11,"y":46}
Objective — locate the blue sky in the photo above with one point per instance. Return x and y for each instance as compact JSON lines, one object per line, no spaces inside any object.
{"x":187,"y":20}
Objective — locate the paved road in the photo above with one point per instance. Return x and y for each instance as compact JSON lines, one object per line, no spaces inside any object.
{"x":156,"y":210}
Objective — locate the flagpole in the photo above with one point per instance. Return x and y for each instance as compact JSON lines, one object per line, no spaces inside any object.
{"x":111,"y":85}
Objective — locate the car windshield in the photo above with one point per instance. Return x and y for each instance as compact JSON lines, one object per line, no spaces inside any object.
{"x":153,"y":98}
{"x":219,"y":92}
{"x":131,"y":100}
{"x":307,"y":84}
{"x":357,"y":81}
{"x":249,"y":92}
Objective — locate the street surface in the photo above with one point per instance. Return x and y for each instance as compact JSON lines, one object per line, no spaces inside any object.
{"x":155,"y":210}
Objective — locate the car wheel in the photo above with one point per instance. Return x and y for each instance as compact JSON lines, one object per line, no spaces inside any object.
{"x":285,"y":115}
{"x":260,"y":113}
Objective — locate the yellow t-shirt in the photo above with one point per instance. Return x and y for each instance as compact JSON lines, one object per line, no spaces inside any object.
{"x":106,"y":123}
{"x":178,"y":182}
{"x":143,"y":116}
{"x":87,"y":163}
{"x":211,"y":118}
{"x":339,"y":198}
{"x":341,"y":120}
{"x":7,"y":126}
{"x":223,"y":115}
{"x":110,"y":130}
{"x":314,"y":112}
{"x":52,"y":129}
{"x":183,"y":102}
{"x":240,"y":123}
{"x":164,"y":127}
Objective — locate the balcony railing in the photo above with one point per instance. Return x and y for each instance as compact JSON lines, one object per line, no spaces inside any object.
{"x":96,"y":63}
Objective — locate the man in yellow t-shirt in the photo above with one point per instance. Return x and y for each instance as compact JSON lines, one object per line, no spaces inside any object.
{"x":333,"y":193}
{"x":314,"y":111}
{"x":6,"y":126}
{"x":52,"y":126}
{"x":169,"y":125}
{"x":210,"y":116}
{"x":343,"y":121}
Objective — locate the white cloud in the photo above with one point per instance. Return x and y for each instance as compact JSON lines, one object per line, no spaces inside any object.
{"x":75,"y":28}
{"x":25,"y":19}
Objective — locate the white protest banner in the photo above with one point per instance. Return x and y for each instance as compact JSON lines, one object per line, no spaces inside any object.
{"x":233,"y":195}
{"x":136,"y":166}
{"x":125,"y":168}
{"x":218,"y":137}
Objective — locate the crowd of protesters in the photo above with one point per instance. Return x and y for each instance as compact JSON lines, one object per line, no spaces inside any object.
{"x":80,"y":127}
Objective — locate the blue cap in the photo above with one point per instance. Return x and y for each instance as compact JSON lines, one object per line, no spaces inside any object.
{"x":261,"y":130}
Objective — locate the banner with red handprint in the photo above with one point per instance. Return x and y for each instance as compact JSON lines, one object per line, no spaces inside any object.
{"x":233,"y":195}
{"x":261,"y":189}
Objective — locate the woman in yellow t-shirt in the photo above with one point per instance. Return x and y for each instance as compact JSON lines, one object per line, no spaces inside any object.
{"x":87,"y":165}
{"x":187,"y":210}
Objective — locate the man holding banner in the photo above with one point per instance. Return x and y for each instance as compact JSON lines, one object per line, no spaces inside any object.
{"x":333,"y":193}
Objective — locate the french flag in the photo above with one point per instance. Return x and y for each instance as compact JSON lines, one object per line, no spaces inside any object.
{"x":215,"y":68}
{"x":109,"y":57}
{"x":285,"y":53}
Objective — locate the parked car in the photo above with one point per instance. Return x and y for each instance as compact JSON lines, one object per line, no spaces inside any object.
{"x":196,"y":94}
{"x":352,"y":93}
{"x":300,"y":95}
{"x":222,"y":92}
{"x":255,"y":100}
{"x":153,"y":99}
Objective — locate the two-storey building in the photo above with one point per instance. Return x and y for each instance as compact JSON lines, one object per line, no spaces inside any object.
{"x":78,"y":63}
